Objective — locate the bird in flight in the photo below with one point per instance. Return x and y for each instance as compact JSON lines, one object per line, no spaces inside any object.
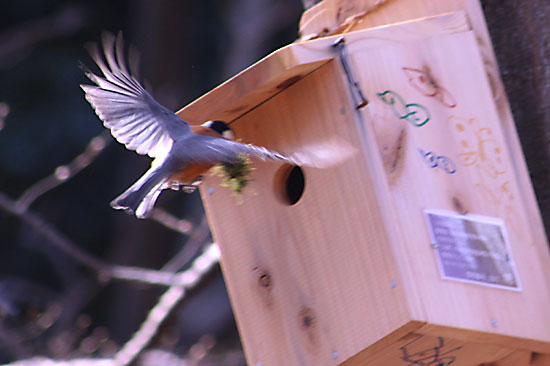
{"x":181,"y":153}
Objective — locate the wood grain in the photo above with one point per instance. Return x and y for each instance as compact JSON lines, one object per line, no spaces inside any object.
{"x":330,"y":14}
{"x":456,"y":64}
{"x":284,"y":67}
{"x":516,"y":358}
{"x":415,"y":349}
{"x":347,"y":274}
{"x":540,"y":359}
{"x":324,"y":257}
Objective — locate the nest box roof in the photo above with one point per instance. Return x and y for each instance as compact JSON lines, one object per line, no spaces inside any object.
{"x":284,"y":67}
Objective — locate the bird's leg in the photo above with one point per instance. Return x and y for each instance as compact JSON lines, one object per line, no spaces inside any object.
{"x":190,"y":188}
{"x":175,"y":185}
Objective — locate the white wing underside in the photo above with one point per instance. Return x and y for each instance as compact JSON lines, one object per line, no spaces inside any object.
{"x":124,"y":106}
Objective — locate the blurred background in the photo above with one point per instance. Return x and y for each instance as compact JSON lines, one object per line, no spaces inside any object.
{"x":49,"y":304}
{"x":53,"y":306}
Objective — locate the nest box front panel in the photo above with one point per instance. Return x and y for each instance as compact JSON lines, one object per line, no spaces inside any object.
{"x":442,"y":146}
{"x":312,"y":276}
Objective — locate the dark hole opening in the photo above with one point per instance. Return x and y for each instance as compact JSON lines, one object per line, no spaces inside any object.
{"x":294,"y":185}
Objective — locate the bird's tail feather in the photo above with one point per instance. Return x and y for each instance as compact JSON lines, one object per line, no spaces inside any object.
{"x":322,"y":154}
{"x":141,"y":196}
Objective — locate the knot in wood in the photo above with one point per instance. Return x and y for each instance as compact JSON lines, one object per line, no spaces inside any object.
{"x":306,"y":318}
{"x":265,"y":280}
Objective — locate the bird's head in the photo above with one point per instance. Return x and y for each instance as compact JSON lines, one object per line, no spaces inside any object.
{"x":220,"y":127}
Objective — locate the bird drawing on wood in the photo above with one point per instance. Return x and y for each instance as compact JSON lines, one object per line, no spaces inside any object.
{"x":181,"y":153}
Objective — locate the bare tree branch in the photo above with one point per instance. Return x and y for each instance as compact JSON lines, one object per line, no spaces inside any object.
{"x":4,"y":111}
{"x":22,"y":38}
{"x":65,"y":172}
{"x":55,"y":237}
{"x":43,"y":361}
{"x":105,"y":270}
{"x":196,"y":240}
{"x":148,"y":329}
{"x":164,"y":218}
{"x":187,"y":279}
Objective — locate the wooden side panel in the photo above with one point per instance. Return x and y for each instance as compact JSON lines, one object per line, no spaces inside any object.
{"x":316,"y":282}
{"x":540,"y":359}
{"x":417,"y":349}
{"x":516,"y":358}
{"x":330,"y":14}
{"x":433,"y":96}
{"x":485,"y":338}
{"x":351,"y":262}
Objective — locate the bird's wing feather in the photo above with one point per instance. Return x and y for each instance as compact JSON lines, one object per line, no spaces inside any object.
{"x":208,"y":149}
{"x":323,"y":154}
{"x":134,"y":117}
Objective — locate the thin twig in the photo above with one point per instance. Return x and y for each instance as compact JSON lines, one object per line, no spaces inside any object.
{"x":187,"y":279}
{"x":179,"y":283}
{"x":182,"y":226}
{"x":61,"y":242}
{"x":148,"y":329}
{"x":64,"y":172}
{"x":196,"y":240}
{"x":49,"y":232}
{"x":18,"y":40}
{"x":43,"y":361}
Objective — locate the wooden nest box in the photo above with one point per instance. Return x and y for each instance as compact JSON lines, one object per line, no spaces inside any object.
{"x":424,"y":248}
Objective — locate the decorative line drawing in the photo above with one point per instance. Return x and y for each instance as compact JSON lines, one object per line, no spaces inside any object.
{"x":431,"y":356}
{"x":479,"y":146}
{"x":416,"y":114}
{"x":481,"y":150}
{"x":424,"y":81}
{"x":438,"y":161}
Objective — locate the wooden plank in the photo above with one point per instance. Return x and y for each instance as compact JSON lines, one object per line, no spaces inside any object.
{"x":461,"y":111}
{"x":383,"y":346}
{"x":330,"y":14}
{"x":540,"y":359}
{"x":288,"y":65}
{"x":516,"y":358}
{"x":314,"y":279}
{"x":305,"y":280}
{"x":275,"y":249}
{"x":469,"y":335}
{"x":417,"y":349}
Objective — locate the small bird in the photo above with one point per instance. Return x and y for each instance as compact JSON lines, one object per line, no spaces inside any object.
{"x":181,"y":153}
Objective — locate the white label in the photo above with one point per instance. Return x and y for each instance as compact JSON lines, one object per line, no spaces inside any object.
{"x":473,"y":249}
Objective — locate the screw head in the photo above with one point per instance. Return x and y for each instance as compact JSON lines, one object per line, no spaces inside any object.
{"x":393,"y":284}
{"x":335,"y":355}
{"x":434,"y":245}
{"x":211,"y":191}
{"x":494,"y":323}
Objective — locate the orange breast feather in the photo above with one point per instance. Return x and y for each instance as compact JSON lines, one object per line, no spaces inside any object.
{"x":193,"y":171}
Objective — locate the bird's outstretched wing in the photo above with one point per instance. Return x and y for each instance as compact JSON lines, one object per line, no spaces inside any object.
{"x":134,"y":117}
{"x":323,"y":154}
